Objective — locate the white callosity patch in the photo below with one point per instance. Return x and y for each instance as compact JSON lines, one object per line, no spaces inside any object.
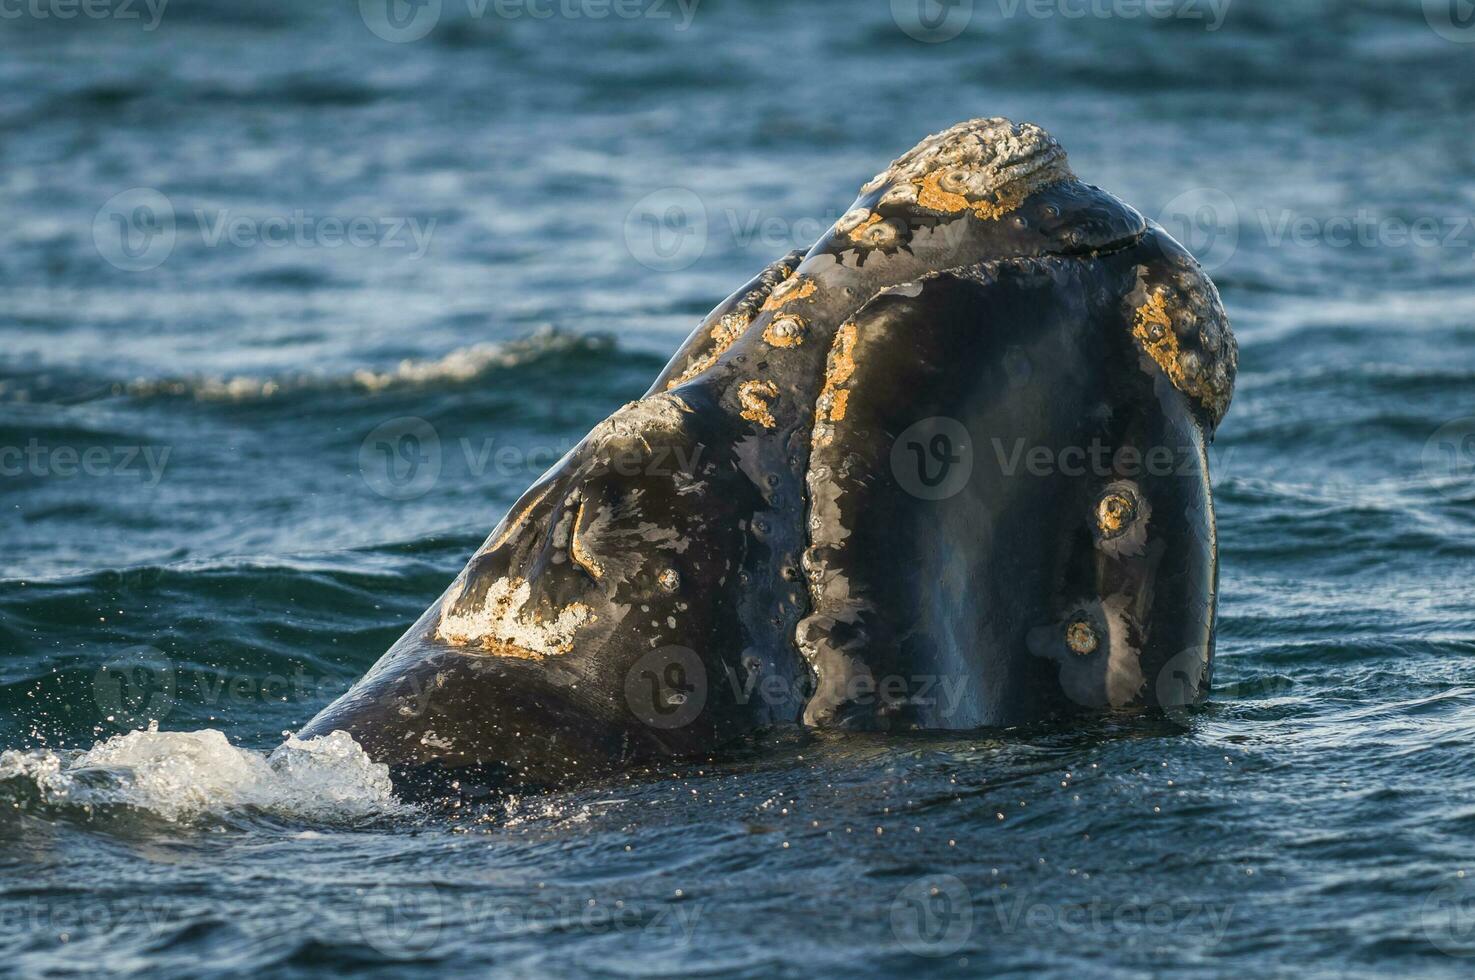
{"x":185,"y":775}
{"x":660,"y":412}
{"x":987,"y":156}
{"x":501,"y":624}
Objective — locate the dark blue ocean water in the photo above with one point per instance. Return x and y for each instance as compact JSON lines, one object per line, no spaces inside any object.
{"x":239,"y":239}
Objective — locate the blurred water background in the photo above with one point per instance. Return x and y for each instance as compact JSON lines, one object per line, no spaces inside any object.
{"x":246,"y":244}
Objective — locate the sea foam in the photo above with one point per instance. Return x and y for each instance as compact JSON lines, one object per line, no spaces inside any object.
{"x":185,"y":776}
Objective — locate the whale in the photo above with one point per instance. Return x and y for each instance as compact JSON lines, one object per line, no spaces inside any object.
{"x":947,"y":469}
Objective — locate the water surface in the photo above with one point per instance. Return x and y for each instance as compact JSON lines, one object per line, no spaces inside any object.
{"x":231,"y":534}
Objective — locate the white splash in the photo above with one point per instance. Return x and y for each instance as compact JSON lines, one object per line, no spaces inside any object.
{"x":184,"y":775}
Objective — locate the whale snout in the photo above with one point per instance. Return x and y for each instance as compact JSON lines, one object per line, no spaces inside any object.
{"x":855,"y":498}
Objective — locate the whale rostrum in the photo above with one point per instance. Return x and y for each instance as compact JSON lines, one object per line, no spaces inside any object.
{"x":946,"y":469}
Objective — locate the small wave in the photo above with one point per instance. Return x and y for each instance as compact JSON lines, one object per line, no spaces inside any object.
{"x":186,"y":776}
{"x":459,"y":366}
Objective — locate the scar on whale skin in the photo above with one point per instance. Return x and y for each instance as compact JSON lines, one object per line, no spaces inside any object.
{"x":577,"y":553}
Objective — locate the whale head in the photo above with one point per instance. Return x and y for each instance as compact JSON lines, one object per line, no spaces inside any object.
{"x":945,"y":469}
